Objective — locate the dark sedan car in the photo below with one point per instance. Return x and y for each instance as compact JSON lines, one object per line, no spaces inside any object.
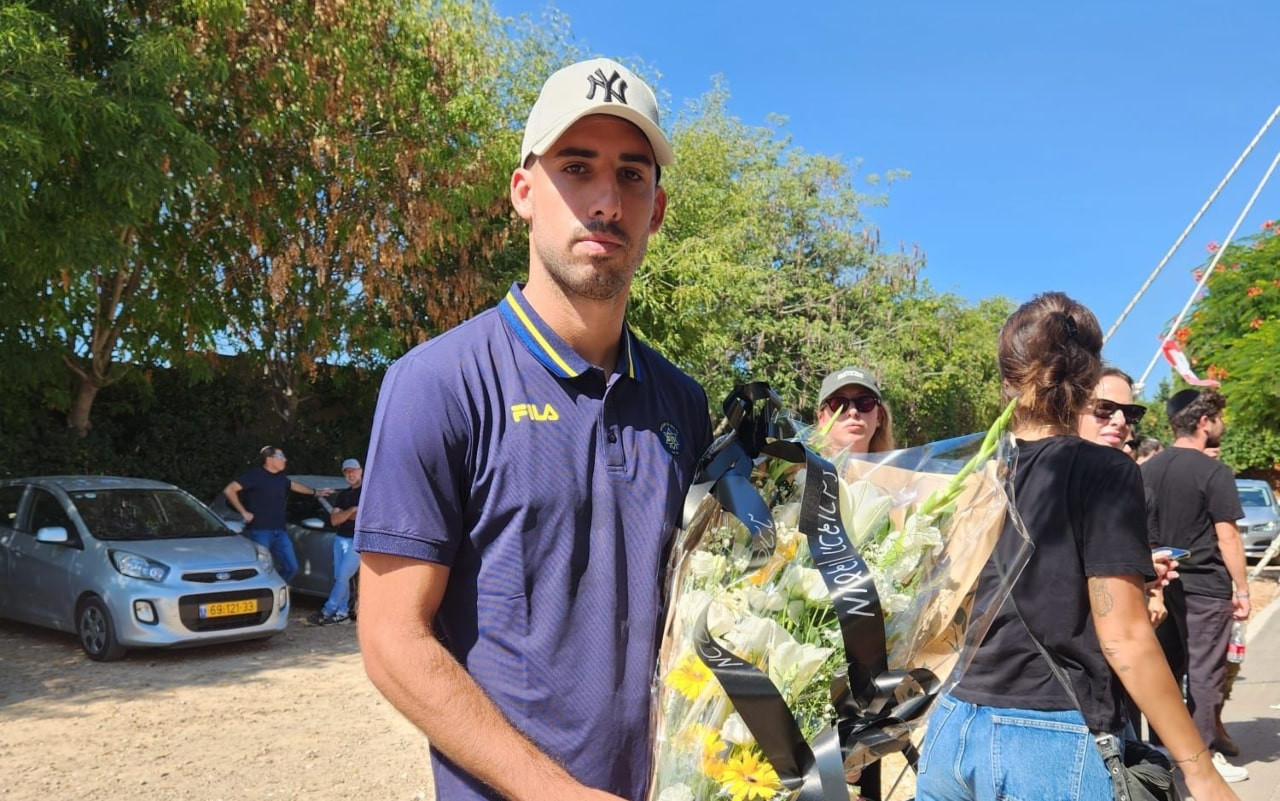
{"x":307,"y":521}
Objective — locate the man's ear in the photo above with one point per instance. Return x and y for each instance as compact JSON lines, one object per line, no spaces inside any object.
{"x":659,"y":210}
{"x":521,"y":192}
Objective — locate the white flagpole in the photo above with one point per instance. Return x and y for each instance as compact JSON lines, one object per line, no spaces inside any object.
{"x":1204,"y":279}
{"x":1186,"y":231}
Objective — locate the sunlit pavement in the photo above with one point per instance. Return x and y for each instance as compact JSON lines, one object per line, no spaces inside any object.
{"x":1252,"y":715}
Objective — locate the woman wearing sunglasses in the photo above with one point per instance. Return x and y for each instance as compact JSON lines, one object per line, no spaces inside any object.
{"x":1112,"y":418}
{"x":853,"y":417}
{"x":1010,"y":728}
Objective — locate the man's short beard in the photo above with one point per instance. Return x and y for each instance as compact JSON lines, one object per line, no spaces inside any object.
{"x":599,"y":284}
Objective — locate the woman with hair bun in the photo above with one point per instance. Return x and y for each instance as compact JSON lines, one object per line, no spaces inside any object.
{"x":1009,"y":728}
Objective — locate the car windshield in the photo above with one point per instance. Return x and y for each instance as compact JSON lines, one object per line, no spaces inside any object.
{"x":146,"y":514}
{"x":1254,"y":496}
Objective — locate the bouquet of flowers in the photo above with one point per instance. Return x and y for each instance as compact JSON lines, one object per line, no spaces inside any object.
{"x":815,"y":610}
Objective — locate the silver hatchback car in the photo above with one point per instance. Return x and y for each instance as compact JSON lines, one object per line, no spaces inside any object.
{"x":131,"y":563}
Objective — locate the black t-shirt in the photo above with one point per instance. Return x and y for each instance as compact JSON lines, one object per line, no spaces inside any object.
{"x":1192,"y":492}
{"x":345,"y":499}
{"x":264,"y":494}
{"x":1082,"y":505}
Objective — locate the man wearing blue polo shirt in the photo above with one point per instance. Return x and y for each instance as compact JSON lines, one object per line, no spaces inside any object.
{"x":525,"y":475}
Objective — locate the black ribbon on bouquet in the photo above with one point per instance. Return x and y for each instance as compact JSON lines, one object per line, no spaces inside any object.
{"x":871,"y":701}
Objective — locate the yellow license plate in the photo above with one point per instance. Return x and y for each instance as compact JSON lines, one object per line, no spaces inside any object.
{"x":227,"y":608}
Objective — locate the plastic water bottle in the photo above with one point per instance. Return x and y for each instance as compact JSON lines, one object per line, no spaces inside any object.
{"x":1235,"y":648}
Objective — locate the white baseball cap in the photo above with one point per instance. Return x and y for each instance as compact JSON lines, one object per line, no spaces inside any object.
{"x":596,"y":86}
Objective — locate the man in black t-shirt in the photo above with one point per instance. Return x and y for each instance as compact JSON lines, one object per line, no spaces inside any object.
{"x":346,"y":560}
{"x":1197,"y":505}
{"x":260,"y":495}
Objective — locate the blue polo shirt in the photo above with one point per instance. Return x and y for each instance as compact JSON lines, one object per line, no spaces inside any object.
{"x":552,"y":491}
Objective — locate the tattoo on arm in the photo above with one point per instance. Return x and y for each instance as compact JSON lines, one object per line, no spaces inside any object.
{"x":1100,"y":597}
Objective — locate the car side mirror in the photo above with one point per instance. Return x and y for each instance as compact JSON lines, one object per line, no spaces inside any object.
{"x":54,"y":534}
{"x":313,"y":523}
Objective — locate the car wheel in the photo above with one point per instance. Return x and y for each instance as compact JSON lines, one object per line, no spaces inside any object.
{"x":96,"y":632}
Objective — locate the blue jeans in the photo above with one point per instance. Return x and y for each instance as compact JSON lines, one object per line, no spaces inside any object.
{"x":346,"y":561}
{"x":277,"y":541}
{"x":986,"y":753}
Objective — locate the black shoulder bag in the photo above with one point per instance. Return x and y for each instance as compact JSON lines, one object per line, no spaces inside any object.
{"x":1138,"y":771}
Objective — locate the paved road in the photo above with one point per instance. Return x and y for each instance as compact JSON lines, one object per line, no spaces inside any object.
{"x":1252,"y":716}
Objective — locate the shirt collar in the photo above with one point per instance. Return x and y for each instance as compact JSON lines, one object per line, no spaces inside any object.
{"x":547,"y":347}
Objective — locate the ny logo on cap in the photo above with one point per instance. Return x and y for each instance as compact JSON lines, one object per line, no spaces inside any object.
{"x":598,"y":81}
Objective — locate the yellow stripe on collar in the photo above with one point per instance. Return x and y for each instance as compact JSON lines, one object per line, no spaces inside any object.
{"x":537,"y":337}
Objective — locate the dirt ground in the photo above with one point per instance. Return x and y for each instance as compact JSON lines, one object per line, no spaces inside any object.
{"x":290,"y":718}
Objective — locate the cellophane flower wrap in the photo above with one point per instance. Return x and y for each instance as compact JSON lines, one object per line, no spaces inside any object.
{"x":817,"y":606}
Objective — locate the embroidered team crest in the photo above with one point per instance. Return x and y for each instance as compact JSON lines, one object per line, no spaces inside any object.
{"x":613,"y":86}
{"x":670,"y":438}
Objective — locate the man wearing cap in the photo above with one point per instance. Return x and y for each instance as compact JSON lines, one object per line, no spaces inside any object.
{"x":346,"y":561}
{"x":1196,"y":506}
{"x":852,"y":414}
{"x":527,"y":470}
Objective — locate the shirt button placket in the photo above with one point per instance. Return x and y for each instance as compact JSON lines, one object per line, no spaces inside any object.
{"x":615,"y":453}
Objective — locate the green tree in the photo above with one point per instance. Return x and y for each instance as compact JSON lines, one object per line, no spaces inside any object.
{"x":766,"y":270}
{"x":97,"y":170}
{"x":360,"y":193}
{"x":1234,"y":334}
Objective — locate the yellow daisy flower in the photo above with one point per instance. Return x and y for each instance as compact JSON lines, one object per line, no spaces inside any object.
{"x":689,"y":677}
{"x":712,"y":747}
{"x":748,"y":776}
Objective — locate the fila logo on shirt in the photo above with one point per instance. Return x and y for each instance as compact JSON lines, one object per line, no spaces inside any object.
{"x":530,"y":411}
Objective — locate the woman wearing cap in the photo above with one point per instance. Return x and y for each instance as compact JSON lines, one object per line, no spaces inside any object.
{"x":853,"y":417}
{"x":1011,"y":727}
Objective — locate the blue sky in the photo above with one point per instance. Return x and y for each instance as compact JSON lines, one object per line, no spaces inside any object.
{"x":1055,"y":146}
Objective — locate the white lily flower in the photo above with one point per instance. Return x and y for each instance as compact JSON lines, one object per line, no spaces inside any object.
{"x":720,"y":619}
{"x":796,"y":610}
{"x":676,"y":792}
{"x":754,"y":636}
{"x":792,"y":665}
{"x":765,"y":600}
{"x":808,"y":584}
{"x":735,"y":730}
{"x":864,"y":510}
{"x":707,"y":567}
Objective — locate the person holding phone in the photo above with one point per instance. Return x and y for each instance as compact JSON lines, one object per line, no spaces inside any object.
{"x":1010,"y":728}
{"x":1198,"y":506}
{"x":1112,"y":420}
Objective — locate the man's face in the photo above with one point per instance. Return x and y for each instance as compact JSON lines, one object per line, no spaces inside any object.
{"x":275,"y":462}
{"x":353,"y":475}
{"x":1214,"y":429}
{"x":592,"y":201}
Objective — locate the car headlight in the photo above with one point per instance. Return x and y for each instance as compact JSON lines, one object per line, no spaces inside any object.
{"x":1267,"y":527}
{"x":265,"y":563}
{"x":139,"y":567}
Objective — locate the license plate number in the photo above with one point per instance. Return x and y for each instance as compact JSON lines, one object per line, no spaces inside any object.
{"x":227,"y":608}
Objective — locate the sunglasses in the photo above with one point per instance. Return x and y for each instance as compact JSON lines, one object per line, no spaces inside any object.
{"x":863,"y":403}
{"x":1105,"y":410}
